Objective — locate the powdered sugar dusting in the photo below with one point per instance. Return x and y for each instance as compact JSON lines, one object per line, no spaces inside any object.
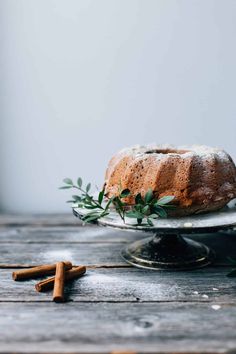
{"x":202,"y":151}
{"x":135,"y":288}
{"x":215,"y":307}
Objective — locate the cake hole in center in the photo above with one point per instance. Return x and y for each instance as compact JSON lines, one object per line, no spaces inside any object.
{"x":166,"y":151}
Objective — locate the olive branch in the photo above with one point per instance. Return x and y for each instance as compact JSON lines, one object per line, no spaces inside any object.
{"x":145,"y":208}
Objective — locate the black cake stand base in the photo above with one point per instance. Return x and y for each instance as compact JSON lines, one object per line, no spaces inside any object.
{"x":168,"y":251}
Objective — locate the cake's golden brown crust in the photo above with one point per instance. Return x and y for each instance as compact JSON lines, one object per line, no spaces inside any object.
{"x":201,"y":178}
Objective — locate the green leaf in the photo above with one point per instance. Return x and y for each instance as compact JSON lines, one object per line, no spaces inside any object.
{"x":107,"y":206}
{"x":88,"y":187}
{"x":153,"y":216}
{"x":90,"y":206}
{"x":165,"y":200}
{"x":77,"y":198}
{"x":138,"y":199}
{"x":137,"y":207}
{"x":134,"y":215}
{"x":131,"y":214}
{"x":149,"y":221}
{"x":79,"y":182}
{"x":161,"y":212}
{"x":100,"y":196}
{"x":125,"y":193}
{"x":146,"y":209}
{"x":148,"y":196}
{"x":91,"y":218}
{"x":65,"y":187}
{"x":88,"y":198}
{"x":232,"y":274}
{"x":169,"y":206}
{"x":104,"y":214}
{"x":108,"y":203}
{"x":118,"y":203}
{"x":68,"y":181}
{"x":70,"y":201}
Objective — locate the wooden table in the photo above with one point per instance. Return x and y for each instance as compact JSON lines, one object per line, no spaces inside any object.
{"x":114,"y":307}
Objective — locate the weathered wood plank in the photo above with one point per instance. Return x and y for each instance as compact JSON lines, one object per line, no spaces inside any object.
{"x":69,"y":234}
{"x":105,"y":327}
{"x":14,"y":220}
{"x":34,"y":254}
{"x":132,"y":284}
{"x":224,"y":244}
{"x":104,"y":253}
{"x":93,"y":233}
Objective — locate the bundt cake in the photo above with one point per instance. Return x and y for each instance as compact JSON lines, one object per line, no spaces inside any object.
{"x":201,"y":178}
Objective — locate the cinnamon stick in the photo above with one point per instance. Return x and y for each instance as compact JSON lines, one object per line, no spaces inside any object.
{"x":58,"y":290}
{"x":71,"y":274}
{"x":37,"y":271}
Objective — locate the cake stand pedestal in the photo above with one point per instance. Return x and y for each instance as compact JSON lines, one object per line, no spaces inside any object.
{"x":167,"y":248}
{"x":167,"y":251}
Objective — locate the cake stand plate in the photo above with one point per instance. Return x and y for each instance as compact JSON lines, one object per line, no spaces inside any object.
{"x":167,"y":248}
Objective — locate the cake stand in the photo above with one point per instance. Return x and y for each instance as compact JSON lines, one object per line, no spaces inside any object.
{"x":166,"y":247}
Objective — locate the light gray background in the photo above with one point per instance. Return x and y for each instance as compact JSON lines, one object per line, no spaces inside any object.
{"x":82,"y":79}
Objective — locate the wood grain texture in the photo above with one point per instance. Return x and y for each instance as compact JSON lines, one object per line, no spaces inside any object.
{"x":104,"y":253}
{"x":69,"y":234}
{"x":92,"y":233}
{"x":117,"y":308}
{"x":79,"y":254}
{"x":104,"y":327}
{"x":16,"y":220}
{"x":131,"y":285}
{"x":40,"y":240}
